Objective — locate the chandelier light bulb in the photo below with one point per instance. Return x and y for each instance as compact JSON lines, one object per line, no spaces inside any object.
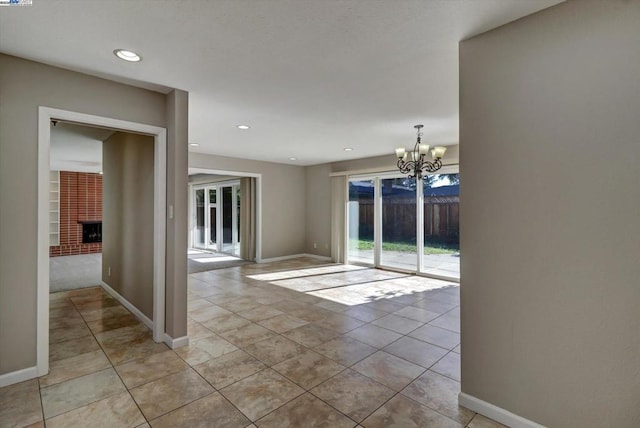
{"x":438,"y":152}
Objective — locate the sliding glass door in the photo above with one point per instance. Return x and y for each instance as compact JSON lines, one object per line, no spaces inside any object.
{"x":405,"y":224}
{"x":213,"y":219}
{"x":441,"y":235}
{"x":228,"y":219}
{"x":398,"y":249}
{"x":216,"y":217}
{"x":199,"y":226}
{"x":360,"y":218}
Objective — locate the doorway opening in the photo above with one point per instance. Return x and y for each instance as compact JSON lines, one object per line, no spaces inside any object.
{"x":224,"y":219}
{"x":217,"y":217}
{"x":158,"y":189}
{"x":75,"y":205}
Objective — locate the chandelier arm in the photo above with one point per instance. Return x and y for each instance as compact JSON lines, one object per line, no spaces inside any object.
{"x":432,"y":166}
{"x":405,"y":167}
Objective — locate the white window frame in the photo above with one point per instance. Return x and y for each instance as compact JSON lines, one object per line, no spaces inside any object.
{"x":377,"y":221}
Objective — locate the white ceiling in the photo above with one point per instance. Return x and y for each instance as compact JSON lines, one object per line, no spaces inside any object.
{"x":76,"y":147}
{"x":311,"y":77}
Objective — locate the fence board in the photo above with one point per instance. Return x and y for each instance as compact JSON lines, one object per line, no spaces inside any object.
{"x":441,"y":221}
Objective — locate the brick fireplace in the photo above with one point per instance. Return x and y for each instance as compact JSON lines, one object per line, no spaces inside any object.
{"x":80,"y":207}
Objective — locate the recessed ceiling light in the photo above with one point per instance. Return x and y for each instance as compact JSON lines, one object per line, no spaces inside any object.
{"x":127,"y":55}
{"x":348,"y":149}
{"x":293,"y":158}
{"x":100,"y":172}
{"x":194,"y":144}
{"x":243,"y":127}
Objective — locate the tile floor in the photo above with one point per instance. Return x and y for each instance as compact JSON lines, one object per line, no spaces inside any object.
{"x":204,"y":260}
{"x":289,"y":344}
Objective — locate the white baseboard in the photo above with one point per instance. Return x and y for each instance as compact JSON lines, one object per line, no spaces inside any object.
{"x":18,"y":376}
{"x":170,"y":341}
{"x":177,"y":342}
{"x":277,"y":259}
{"x":315,"y":256}
{"x":135,"y":311}
{"x":294,"y":256}
{"x":496,"y":413}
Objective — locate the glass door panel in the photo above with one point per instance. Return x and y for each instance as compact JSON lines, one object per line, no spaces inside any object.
{"x":217,"y":218}
{"x":227,"y":219}
{"x":236,"y":240}
{"x":441,"y":225}
{"x":360,"y":218}
{"x":213,"y":220}
{"x":199,"y":230}
{"x":399,"y":224}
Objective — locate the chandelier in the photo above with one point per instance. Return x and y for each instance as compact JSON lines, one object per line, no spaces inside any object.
{"x":414,"y":162}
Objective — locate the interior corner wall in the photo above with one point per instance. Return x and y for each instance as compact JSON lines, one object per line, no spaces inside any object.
{"x":283,"y":200}
{"x":25,"y":85}
{"x":127,"y":219}
{"x":318,"y":210}
{"x":550,"y":203}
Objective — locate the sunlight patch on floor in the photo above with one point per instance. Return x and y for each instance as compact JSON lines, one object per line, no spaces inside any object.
{"x":215,"y":259}
{"x":274,"y":276}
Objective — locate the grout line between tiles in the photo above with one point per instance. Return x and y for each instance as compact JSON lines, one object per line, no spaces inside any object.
{"x":340,"y":334}
{"x":108,"y":359}
{"x":352,"y":284}
{"x":41,"y":404}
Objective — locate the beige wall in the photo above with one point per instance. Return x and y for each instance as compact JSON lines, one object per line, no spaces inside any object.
{"x":318,"y":209}
{"x":127,"y":218}
{"x":550,"y":209}
{"x":177,"y":112}
{"x":283,"y":200}
{"x":25,"y":85}
{"x":210,"y":178}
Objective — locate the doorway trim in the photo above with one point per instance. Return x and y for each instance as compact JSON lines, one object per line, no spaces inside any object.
{"x":258,"y":178}
{"x":206,"y":187}
{"x":45,"y":115}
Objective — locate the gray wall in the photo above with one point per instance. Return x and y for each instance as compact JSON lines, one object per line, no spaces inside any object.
{"x":25,"y":85}
{"x":283,"y":200}
{"x":127,"y":217}
{"x":550,"y":209}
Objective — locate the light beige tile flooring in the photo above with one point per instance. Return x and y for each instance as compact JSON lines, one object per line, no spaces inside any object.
{"x":288,"y":344}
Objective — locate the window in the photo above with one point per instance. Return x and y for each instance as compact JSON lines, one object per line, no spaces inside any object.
{"x":406,"y":224}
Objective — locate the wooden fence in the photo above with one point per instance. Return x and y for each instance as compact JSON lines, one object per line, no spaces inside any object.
{"x":441,"y":220}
